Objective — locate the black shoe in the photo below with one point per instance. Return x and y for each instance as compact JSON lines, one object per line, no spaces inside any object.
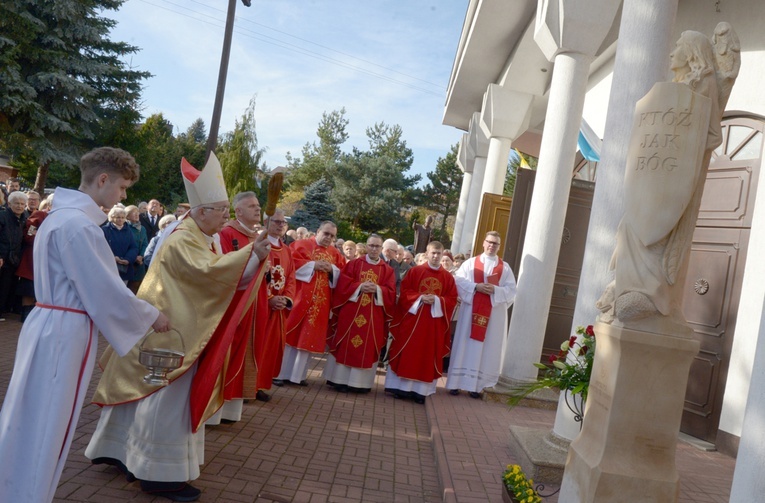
{"x":401,"y":395}
{"x":278,"y":382}
{"x":119,"y":465}
{"x":418,"y":398}
{"x":331,"y":384}
{"x":262,"y":396}
{"x":341,"y":388}
{"x":454,"y":392}
{"x":174,"y":491}
{"x":225,"y":421}
{"x":474,"y":394}
{"x":359,"y":390}
{"x":303,"y":383}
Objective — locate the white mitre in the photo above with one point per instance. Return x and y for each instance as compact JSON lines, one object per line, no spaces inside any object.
{"x":206,"y":186}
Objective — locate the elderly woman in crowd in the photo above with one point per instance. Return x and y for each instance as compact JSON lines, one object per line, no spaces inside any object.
{"x":448,"y":264}
{"x":142,"y":241}
{"x":25,"y":271}
{"x":11,"y":236}
{"x":163,"y":223}
{"x":361,"y":249}
{"x":120,"y":239}
{"x":349,"y":250}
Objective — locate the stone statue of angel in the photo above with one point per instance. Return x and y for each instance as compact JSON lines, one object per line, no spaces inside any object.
{"x":676,"y":128}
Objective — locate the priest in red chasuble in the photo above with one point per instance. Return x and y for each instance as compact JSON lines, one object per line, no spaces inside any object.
{"x":156,"y":433}
{"x":363,"y":303}
{"x":317,"y":269}
{"x":280,"y":292}
{"x":421,"y":328}
{"x":242,"y":369}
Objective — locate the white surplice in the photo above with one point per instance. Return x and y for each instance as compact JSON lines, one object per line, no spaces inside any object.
{"x":475,"y":365}
{"x":74,"y":269}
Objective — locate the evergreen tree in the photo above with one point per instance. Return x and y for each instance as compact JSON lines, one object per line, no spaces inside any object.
{"x":193,"y":143}
{"x":368,"y":192}
{"x":319,"y":160}
{"x":442,"y":194}
{"x":387,"y":141}
{"x":61,"y":79}
{"x":159,"y":155}
{"x":316,"y":206}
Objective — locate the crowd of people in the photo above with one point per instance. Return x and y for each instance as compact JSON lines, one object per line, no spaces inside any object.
{"x":251,"y":301}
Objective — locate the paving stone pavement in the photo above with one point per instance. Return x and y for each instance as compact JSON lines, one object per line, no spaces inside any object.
{"x":313,"y":444}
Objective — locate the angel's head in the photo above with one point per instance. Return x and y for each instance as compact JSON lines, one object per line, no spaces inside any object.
{"x":692,"y":59}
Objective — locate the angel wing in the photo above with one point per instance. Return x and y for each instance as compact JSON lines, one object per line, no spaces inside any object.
{"x":728,"y":58}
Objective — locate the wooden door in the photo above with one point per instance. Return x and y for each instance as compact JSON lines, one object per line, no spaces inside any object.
{"x":716,"y":267}
{"x":495,"y":213}
{"x":569,"y":266}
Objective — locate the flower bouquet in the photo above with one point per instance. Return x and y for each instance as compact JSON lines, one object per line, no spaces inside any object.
{"x":518,"y":487}
{"x":568,"y":371}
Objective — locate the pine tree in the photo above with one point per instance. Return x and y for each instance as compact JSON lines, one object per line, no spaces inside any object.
{"x":61,"y":79}
{"x":442,"y":194}
{"x":319,"y":160}
{"x":316,"y":206}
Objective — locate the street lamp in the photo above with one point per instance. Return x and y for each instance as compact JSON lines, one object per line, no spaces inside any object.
{"x":212,"y":138}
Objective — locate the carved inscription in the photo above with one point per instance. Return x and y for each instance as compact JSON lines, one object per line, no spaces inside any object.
{"x":664,"y":160}
{"x":659,"y":148}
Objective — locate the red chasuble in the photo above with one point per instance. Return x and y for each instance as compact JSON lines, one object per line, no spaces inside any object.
{"x":308,"y":322}
{"x":242,"y":367}
{"x":420,"y":341}
{"x":482,"y":302}
{"x":362,"y":326}
{"x":269,"y":341}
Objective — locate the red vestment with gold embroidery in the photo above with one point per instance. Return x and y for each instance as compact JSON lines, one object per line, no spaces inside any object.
{"x":269,"y":345}
{"x":421,"y":341}
{"x":308,"y":322}
{"x":362,"y":324}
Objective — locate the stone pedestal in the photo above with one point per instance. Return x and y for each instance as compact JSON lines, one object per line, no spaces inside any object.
{"x":540,"y":453}
{"x":626,"y":450}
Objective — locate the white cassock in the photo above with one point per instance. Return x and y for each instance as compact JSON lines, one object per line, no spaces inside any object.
{"x":475,"y":365}
{"x":74,"y":269}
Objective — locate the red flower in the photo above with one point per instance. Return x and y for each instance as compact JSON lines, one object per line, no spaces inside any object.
{"x":590,"y":331}
{"x":583,"y":350}
{"x":553,"y":358}
{"x":572,"y":341}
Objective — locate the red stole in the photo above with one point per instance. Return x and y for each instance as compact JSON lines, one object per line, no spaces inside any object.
{"x":481,"y":301}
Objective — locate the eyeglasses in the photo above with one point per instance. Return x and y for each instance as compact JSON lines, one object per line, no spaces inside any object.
{"x":220,"y":209}
{"x":374,"y":246}
{"x":278,"y":222}
{"x":495,"y":243}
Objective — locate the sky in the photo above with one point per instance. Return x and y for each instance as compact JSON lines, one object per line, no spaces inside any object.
{"x":384,"y":61}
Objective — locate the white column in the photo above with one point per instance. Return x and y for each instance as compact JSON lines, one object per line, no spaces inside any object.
{"x":546,"y":216}
{"x":641,"y":61}
{"x":474,"y":206}
{"x":750,"y":462}
{"x":479,"y":145}
{"x":496,"y":165}
{"x":465,"y":161}
{"x":505,"y":114}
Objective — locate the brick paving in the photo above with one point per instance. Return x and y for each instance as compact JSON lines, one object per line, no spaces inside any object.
{"x":313,"y":444}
